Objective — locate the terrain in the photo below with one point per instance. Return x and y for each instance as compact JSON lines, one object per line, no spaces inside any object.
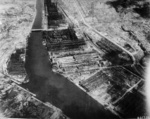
{"x":100,"y":46}
{"x":16,"y":20}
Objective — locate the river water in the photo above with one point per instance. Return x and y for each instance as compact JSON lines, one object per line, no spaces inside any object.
{"x":54,"y":88}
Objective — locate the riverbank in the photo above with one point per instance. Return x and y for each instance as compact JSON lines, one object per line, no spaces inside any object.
{"x":72,"y":56}
{"x":15,"y":100}
{"x":14,"y":37}
{"x":116,"y":79}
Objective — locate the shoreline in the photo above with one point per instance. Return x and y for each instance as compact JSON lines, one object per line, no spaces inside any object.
{"x":106,"y":107}
{"x":13,"y":50}
{"x":23,"y":43}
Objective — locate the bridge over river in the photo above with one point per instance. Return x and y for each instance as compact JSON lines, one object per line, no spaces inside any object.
{"x":51,"y":29}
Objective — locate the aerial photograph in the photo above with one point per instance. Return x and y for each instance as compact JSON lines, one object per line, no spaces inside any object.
{"x":74,"y":59}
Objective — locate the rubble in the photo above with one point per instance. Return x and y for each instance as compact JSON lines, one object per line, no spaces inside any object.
{"x":80,"y":61}
{"x":18,"y":103}
{"x":95,"y":61}
{"x":55,"y":19}
{"x":16,"y":18}
{"x":99,"y":67}
{"x":108,"y":81}
{"x":16,"y":68}
{"x":123,"y":25}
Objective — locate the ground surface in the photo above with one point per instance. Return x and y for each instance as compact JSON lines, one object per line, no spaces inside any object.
{"x":16,"y":19}
{"x":124,"y":22}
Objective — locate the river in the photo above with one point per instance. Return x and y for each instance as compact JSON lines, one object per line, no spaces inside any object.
{"x":54,"y":88}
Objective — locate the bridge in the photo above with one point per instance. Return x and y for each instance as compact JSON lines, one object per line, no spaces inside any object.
{"x":51,"y":29}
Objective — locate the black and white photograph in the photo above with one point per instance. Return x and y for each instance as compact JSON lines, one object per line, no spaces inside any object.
{"x":74,"y":59}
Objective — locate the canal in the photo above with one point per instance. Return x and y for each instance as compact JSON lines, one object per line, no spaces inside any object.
{"x":54,"y":88}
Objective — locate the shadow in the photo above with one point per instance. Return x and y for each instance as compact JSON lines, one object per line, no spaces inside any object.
{"x":123,"y":4}
{"x":77,"y":112}
{"x":115,"y":58}
{"x":144,"y":10}
{"x":132,"y":105}
{"x":148,"y":37}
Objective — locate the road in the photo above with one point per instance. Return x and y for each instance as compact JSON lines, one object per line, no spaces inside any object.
{"x":97,"y":32}
{"x":51,"y":29}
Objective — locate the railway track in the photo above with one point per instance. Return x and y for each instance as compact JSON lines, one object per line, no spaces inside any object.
{"x":97,"y":32}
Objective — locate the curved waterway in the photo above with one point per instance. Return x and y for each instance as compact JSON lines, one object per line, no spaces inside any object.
{"x":54,"y":88}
